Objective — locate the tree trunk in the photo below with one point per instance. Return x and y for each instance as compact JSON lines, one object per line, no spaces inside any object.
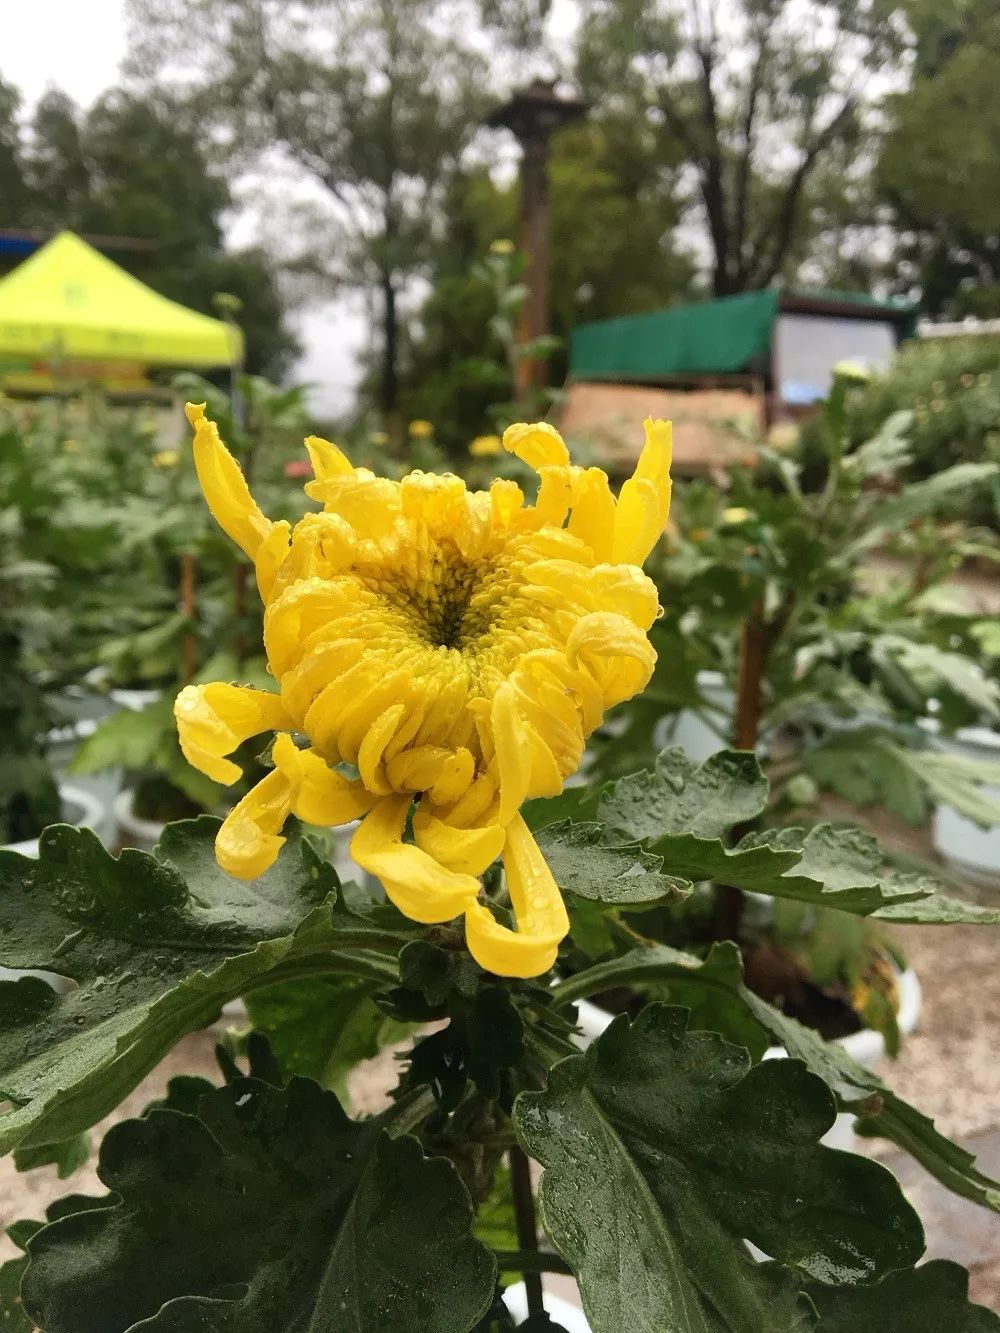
{"x":389,"y":389}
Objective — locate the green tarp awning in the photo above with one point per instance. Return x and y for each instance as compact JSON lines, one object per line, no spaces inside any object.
{"x":722,"y":337}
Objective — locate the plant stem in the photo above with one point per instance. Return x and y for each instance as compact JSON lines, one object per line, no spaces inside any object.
{"x":527,"y":1230}
{"x":533,"y":1261}
{"x":406,"y":1114}
{"x":188,"y":607}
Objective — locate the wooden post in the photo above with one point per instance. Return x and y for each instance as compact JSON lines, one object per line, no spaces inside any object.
{"x":534,"y":316}
{"x":746,"y":732}
{"x":188,"y":643}
{"x":533,"y":115}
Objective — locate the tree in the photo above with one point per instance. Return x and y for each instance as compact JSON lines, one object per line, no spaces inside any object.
{"x":757,"y":96}
{"x":612,"y":221}
{"x":939,"y":168}
{"x":132,"y":167}
{"x":374,"y":99}
{"x":14,"y":190}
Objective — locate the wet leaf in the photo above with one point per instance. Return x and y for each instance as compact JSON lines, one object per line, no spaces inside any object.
{"x":156,"y":944}
{"x":586,"y":862}
{"x":930,"y":1299}
{"x":664,"y":1149}
{"x":703,"y":801}
{"x":269,"y":1211}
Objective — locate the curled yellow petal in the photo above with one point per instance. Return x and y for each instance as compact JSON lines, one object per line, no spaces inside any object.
{"x":644,"y":502}
{"x":233,"y":507}
{"x":327,"y":460}
{"x":468,"y":850}
{"x":318,"y":794}
{"x":526,"y":765}
{"x":420,"y":887}
{"x":538,"y":444}
{"x":271,"y":556}
{"x":213,"y":720}
{"x":539,"y":910}
{"x":593,"y":515}
{"x":247,"y":844}
{"x":617,"y":653}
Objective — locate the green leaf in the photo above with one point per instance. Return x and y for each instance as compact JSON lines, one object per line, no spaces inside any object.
{"x":678,"y":797}
{"x":496,"y":1224}
{"x":930,"y":1299}
{"x":12,"y":1316}
{"x":585,"y":861}
{"x":933,"y":667}
{"x":321,"y":1027}
{"x":128,"y":738}
{"x":925,"y":497}
{"x":664,"y":1149}
{"x":67,"y":1156}
{"x":862,"y":766}
{"x":957,"y":780}
{"x":826,"y":866}
{"x":156,"y":944}
{"x":881,"y":1113}
{"x":270,"y":1211}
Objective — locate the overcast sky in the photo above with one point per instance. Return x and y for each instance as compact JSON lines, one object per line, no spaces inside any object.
{"x":78,"y":46}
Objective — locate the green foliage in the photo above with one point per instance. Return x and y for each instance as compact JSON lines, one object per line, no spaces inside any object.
{"x":329,"y":1230}
{"x":587,"y":863}
{"x":719,"y":977}
{"x":762,"y":188}
{"x":952,"y":388}
{"x":260,"y":1205}
{"x":915,"y":1300}
{"x":643,"y":1179}
{"x":936,"y":167}
{"x":156,"y":944}
{"x":321,"y":1027}
{"x":604,"y":171}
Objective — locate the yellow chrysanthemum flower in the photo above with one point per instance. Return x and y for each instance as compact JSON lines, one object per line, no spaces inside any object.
{"x":421,"y":430}
{"x":485,"y":446}
{"x":453,"y":648}
{"x":165,"y":458}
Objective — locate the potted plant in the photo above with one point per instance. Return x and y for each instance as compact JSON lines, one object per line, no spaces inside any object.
{"x":254,"y":1200}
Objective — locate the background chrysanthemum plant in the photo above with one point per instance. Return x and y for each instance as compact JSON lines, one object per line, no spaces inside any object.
{"x":439,"y":659}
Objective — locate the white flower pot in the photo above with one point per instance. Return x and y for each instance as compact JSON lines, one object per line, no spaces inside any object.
{"x":572,"y":1319}
{"x":866,"y":1047}
{"x":690,"y":730}
{"x":135,"y":699}
{"x":132,"y":830}
{"x":82,"y":809}
{"x":973,"y":851}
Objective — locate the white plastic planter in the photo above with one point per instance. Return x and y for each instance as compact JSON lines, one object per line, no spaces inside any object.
{"x":136,"y":699}
{"x":866,"y":1047}
{"x":973,"y":851}
{"x":572,"y":1319}
{"x":133,"y":831}
{"x":81,"y":808}
{"x":690,"y":730}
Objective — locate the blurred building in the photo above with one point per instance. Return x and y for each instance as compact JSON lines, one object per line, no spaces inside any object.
{"x":723,"y":370}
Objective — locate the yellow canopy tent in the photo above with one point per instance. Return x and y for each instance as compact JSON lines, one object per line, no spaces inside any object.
{"x":68,"y":302}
